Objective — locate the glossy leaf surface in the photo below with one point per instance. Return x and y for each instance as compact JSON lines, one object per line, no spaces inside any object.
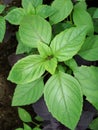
{"x":45,"y":11}
{"x":28,"y":93}
{"x":15,"y":16}
{"x":27,"y":70}
{"x":33,"y":30}
{"x":64,"y":99}
{"x":89,"y":50}
{"x":51,"y":64}
{"x":82,"y":17}
{"x":63,"y":9}
{"x":44,"y":50}
{"x":88,"y":78}
{"x":66,"y":44}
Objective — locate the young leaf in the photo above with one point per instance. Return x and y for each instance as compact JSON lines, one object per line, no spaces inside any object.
{"x":28,"y":93}
{"x":38,"y":118}
{"x":35,"y":3}
{"x":27,"y":127}
{"x":88,"y":78}
{"x":63,"y":97}
{"x":2,"y":7}
{"x":94,"y":124}
{"x":44,"y":50}
{"x":15,"y":16}
{"x":44,"y":11}
{"x":24,"y":115}
{"x":30,"y":9}
{"x":33,"y":30}
{"x":51,"y":64}
{"x":82,"y":17}
{"x":27,"y":70}
{"x":2,"y":28}
{"x":89,"y":50}
{"x":66,"y":44}
{"x":63,"y":9}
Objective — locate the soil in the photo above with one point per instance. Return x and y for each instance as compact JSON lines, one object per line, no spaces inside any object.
{"x":9,"y":119}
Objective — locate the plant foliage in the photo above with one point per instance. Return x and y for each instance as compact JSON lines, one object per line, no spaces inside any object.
{"x":51,"y":36}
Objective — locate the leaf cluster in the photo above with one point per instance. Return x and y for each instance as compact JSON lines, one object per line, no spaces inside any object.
{"x":51,"y":36}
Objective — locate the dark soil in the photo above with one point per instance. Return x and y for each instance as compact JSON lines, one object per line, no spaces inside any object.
{"x":9,"y":119}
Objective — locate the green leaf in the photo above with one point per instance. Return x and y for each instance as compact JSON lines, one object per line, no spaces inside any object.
{"x":88,"y":78}
{"x":94,"y":124}
{"x":27,"y":70}
{"x":71,"y":64}
{"x":19,"y":129}
{"x":61,"y":27}
{"x":63,"y":9}
{"x":33,"y":30}
{"x":27,"y":127}
{"x":38,"y":118}
{"x":44,"y":11}
{"x":63,"y":97}
{"x":24,"y":115}
{"x":95,"y":13}
{"x":30,"y":9}
{"x":82,"y":5}
{"x":66,"y":44}
{"x":21,"y":48}
{"x":28,"y":93}
{"x":15,"y":16}
{"x":2,"y":28}
{"x":89,"y":50}
{"x":96,"y":25}
{"x":61,"y":68}
{"x":51,"y":64}
{"x":35,"y":3}
{"x":82,"y":17}
{"x":36,"y":128}
{"x":2,"y":7}
{"x":91,"y":11}
{"x":44,"y":50}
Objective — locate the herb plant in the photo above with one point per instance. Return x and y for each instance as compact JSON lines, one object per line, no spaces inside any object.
{"x":51,"y":36}
{"x":26,"y":118}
